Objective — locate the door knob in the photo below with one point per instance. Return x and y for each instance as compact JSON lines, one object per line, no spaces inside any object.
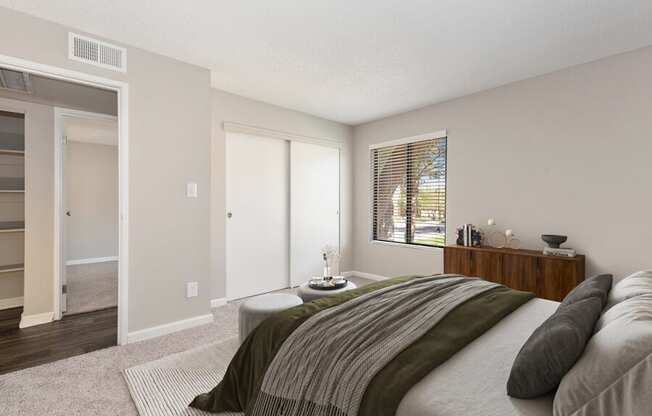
{"x":68,"y":213}
{"x":229,"y":214}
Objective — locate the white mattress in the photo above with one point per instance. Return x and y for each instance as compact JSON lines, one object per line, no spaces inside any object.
{"x":472,"y":382}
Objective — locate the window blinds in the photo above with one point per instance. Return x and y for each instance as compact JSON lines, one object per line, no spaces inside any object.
{"x":409,"y":192}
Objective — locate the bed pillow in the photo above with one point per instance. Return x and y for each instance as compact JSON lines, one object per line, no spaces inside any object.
{"x":596,"y":286}
{"x":614,"y":375}
{"x":552,"y":349}
{"x":637,"y":308}
{"x":633,"y":285}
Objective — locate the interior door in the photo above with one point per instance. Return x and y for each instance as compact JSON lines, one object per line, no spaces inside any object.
{"x":257,"y":223}
{"x":315,"y":207}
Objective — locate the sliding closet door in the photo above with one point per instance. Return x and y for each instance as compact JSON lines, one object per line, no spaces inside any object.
{"x":315,"y":207}
{"x":257,"y":224}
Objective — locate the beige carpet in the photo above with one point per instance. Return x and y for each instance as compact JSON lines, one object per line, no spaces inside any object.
{"x":93,"y":383}
{"x":92,"y":287}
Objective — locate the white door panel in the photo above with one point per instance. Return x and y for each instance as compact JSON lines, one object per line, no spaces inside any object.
{"x":257,"y":198}
{"x":315,"y":205}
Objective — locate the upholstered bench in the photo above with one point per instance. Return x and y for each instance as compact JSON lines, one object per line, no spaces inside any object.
{"x":255,"y":310}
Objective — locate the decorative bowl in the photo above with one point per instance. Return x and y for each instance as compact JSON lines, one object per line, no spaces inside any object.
{"x":553,"y":240}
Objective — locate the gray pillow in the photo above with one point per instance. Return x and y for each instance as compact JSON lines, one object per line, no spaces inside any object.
{"x":596,"y":286}
{"x":552,"y":349}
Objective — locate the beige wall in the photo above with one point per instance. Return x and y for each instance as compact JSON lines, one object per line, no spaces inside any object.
{"x":233,"y":108}
{"x":91,"y":190}
{"x":564,"y":153}
{"x":169,"y":133}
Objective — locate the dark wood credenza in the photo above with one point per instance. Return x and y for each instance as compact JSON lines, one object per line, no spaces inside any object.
{"x":548,"y":277}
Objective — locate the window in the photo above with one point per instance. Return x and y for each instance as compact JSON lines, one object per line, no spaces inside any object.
{"x":409,"y":191}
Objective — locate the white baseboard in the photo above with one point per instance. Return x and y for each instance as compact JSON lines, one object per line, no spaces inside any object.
{"x":91,"y":260}
{"x":9,"y":303}
{"x":157,"y":331}
{"x":364,"y":275}
{"x":216,"y":303}
{"x":37,"y":319}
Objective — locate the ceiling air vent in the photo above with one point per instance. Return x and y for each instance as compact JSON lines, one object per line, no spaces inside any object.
{"x":97,"y":52}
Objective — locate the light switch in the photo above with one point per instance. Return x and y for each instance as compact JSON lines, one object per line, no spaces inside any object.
{"x":192,"y":289}
{"x":191,"y":190}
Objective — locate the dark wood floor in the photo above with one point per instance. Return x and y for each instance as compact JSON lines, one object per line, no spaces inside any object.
{"x":73,"y":335}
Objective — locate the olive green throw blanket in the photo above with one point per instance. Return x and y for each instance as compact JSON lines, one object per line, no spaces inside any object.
{"x":332,"y":357}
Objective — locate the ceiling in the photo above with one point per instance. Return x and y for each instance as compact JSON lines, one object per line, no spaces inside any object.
{"x":355,"y":61}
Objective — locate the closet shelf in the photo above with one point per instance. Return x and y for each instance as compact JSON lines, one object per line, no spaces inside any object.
{"x":12,"y":226}
{"x":12,"y":268}
{"x":12,"y":184}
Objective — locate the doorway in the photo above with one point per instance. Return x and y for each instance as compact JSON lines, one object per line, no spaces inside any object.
{"x":33,"y":327}
{"x":90,"y":195}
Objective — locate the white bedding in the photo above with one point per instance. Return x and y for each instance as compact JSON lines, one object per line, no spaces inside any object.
{"x":472,"y":382}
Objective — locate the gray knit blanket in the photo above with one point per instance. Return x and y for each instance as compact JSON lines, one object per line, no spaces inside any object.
{"x":326,"y":364}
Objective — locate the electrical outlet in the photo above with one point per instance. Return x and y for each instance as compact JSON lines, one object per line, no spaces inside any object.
{"x":192,"y":289}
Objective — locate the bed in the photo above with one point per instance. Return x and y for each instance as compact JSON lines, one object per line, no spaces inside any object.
{"x":472,"y":382}
{"x":448,"y":345}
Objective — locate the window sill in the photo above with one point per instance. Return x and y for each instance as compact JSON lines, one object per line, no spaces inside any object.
{"x":408,"y":246}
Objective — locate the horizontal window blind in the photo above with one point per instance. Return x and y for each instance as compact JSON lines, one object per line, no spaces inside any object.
{"x":409,"y":192}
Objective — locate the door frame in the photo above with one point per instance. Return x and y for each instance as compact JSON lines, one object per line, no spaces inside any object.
{"x":60,"y":141}
{"x":122,"y":90}
{"x":237,"y":127}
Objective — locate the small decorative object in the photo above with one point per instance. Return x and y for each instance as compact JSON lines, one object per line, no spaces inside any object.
{"x":511,"y":241}
{"x":559,"y":252}
{"x":469,"y":236}
{"x":553,"y":249}
{"x":494,"y":238}
{"x":331,"y":258}
{"x":327,"y":269}
{"x":501,"y":239}
{"x":476,"y":238}
{"x":554,"y":241}
{"x":336,"y":282}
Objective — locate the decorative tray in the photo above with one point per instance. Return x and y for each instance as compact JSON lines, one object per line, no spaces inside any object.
{"x":332,"y":284}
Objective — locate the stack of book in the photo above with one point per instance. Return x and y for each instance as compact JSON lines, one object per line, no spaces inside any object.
{"x":467,"y":230}
{"x":561,"y":252}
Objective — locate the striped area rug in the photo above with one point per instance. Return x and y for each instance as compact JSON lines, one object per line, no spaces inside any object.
{"x":165,"y":387}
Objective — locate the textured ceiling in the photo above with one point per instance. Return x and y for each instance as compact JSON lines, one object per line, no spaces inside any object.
{"x":354,"y":61}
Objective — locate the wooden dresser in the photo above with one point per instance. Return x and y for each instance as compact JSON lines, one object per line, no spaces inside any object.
{"x":548,"y":277}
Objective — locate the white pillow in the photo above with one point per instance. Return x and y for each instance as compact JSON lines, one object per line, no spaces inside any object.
{"x":614,"y":374}
{"x":633,"y":285}
{"x":637,"y":308}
